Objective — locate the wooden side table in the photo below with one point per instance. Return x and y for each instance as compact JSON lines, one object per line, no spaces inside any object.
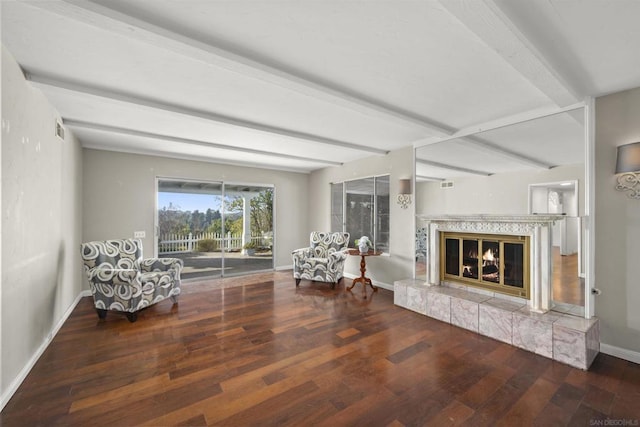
{"x":363,"y":268}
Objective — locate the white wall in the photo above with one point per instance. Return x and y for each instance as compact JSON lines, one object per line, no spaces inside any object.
{"x":505,"y":193}
{"x":617,"y":225}
{"x":119,"y":196}
{"x":383,"y":270}
{"x":41,"y":224}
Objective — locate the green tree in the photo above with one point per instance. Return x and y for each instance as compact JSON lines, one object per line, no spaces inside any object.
{"x":197,"y":223}
{"x":172,"y":220}
{"x":262,"y":212}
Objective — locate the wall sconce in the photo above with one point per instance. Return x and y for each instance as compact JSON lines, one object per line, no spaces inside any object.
{"x":628,"y":166}
{"x":404,"y":193}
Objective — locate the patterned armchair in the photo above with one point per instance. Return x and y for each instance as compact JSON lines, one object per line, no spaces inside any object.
{"x":323,"y":260}
{"x":121,"y":280}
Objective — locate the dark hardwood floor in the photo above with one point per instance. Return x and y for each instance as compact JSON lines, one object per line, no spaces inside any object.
{"x":257,"y":351}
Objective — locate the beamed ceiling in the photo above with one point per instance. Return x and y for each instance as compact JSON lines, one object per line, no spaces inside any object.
{"x":303,"y":85}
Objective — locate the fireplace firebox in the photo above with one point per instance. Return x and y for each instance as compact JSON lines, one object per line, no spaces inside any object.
{"x":499,"y":263}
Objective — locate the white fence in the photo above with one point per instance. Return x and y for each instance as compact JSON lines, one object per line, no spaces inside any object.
{"x":178,"y":243}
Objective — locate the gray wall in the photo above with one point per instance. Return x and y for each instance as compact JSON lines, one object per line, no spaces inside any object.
{"x":617,"y":225}
{"x":383,"y":270}
{"x":119,"y":196}
{"x":505,"y":193}
{"x":41,"y":223}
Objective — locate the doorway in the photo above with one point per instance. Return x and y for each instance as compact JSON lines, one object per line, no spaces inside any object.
{"x":566,"y":237}
{"x":218,"y":229}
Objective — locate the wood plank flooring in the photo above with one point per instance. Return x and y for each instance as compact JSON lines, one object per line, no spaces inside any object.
{"x":257,"y":351}
{"x":567,"y":286}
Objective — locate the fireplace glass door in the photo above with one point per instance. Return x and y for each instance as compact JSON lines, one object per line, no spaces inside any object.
{"x":497,"y":263}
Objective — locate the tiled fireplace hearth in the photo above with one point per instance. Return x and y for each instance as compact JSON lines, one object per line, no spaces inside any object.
{"x":524,"y":323}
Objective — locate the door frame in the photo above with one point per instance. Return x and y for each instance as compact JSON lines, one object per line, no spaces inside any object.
{"x":156,"y":226}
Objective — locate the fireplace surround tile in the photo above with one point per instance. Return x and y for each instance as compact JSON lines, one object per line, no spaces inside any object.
{"x":495,"y":322}
{"x":400,"y":293}
{"x":503,"y":304}
{"x":576,"y":341}
{"x":464,"y":313}
{"x":417,"y":299}
{"x":593,"y":343}
{"x":562,"y":337}
{"x":533,"y":331}
{"x":439,"y":306}
{"x":565,"y":343}
{"x":402,"y":289}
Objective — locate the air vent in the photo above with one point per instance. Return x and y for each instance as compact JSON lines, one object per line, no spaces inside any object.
{"x":446,"y":184}
{"x":59,"y":130}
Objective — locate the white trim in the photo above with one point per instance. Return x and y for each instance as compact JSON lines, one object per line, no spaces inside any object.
{"x":589,"y":207}
{"x":284,"y":267}
{"x":13,"y":387}
{"x":622,"y":353}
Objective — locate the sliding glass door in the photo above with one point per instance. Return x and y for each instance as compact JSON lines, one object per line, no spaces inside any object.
{"x":217,"y":229}
{"x":248,"y":212}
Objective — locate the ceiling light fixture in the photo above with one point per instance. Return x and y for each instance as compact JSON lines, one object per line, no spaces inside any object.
{"x":628,"y":169}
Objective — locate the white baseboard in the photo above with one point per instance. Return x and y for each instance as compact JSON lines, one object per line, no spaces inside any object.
{"x":13,"y":387}
{"x":377,"y":284}
{"x":622,"y":353}
{"x":284,"y":267}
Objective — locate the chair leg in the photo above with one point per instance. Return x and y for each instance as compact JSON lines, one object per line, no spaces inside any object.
{"x":174,"y":299}
{"x":298,"y":282}
{"x":132,"y":317}
{"x":333,"y":285}
{"x":102,"y":314}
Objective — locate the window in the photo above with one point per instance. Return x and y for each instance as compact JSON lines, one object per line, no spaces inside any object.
{"x":361,"y":208}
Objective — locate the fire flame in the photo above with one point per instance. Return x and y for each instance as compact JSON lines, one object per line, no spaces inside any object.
{"x":488,"y":255}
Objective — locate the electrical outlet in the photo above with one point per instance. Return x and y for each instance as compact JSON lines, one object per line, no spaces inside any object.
{"x":139,"y":234}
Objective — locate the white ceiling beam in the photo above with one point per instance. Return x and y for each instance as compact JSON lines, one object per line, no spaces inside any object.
{"x":204,"y":115}
{"x":500,"y":123}
{"x":129,"y":27}
{"x":195,"y":158}
{"x":487,"y":21}
{"x":492,"y":148}
{"x":451,"y":167}
{"x":428,"y":178}
{"x":113,"y":129}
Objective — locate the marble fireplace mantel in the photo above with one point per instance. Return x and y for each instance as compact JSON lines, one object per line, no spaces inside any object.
{"x":538,"y":227}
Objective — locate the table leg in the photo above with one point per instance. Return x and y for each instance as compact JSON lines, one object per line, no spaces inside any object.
{"x":363,"y":279}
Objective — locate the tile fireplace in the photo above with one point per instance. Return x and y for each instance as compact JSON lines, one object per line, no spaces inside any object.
{"x":481,"y":255}
{"x":478,"y":238}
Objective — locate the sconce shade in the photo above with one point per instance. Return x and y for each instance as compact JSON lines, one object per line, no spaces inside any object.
{"x":628,"y":158}
{"x":405,"y":186}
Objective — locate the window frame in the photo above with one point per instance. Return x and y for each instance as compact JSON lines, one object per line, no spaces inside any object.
{"x":376,"y":220}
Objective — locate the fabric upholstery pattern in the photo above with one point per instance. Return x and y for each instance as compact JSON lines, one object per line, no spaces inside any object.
{"x":323,"y":260}
{"x":120,"y":279}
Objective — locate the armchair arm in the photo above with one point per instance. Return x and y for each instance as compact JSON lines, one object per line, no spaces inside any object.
{"x":112,"y":276}
{"x":161,"y":264}
{"x":302,"y":253}
{"x":339,"y":255}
